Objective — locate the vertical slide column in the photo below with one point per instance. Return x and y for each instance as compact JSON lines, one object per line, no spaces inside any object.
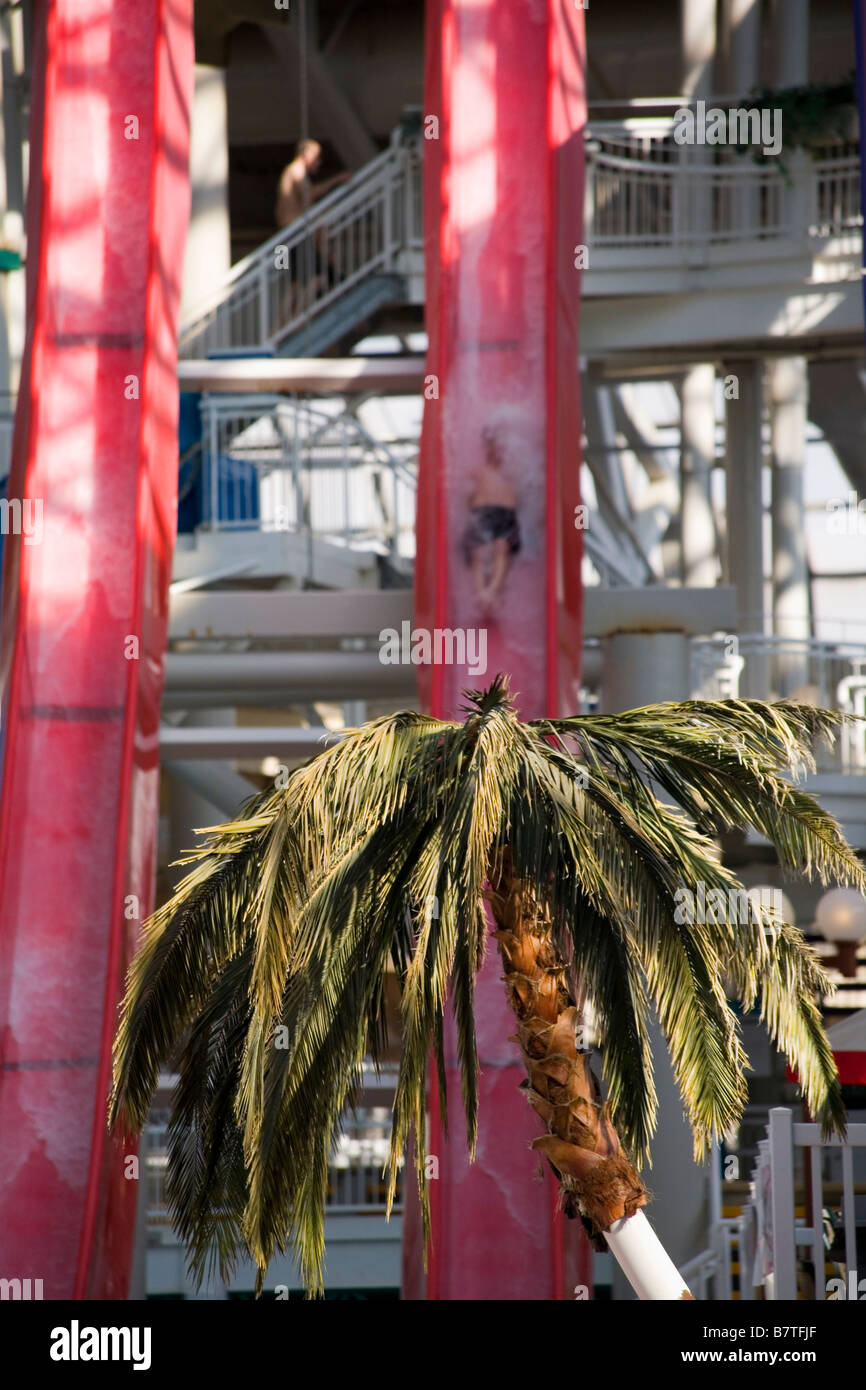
{"x":498,"y":568}
{"x":85,"y":607}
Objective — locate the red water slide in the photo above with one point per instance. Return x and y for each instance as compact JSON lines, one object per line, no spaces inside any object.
{"x":85,"y":604}
{"x":503,"y":188}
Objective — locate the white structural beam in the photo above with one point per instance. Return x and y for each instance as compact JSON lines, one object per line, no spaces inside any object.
{"x":791,"y":617}
{"x":661,"y":498}
{"x":207,"y":258}
{"x":744,"y":45}
{"x":698,"y":442}
{"x":745,"y":512}
{"x":181,"y":746}
{"x":641,"y":434}
{"x":698,"y":38}
{"x":744,"y":459}
{"x":285,"y":677}
{"x":206,"y":797}
{"x":602,"y":450}
{"x":790,"y":569}
{"x":837,"y":405}
{"x":643,"y":316}
{"x":694,"y":612}
{"x":743,"y":20}
{"x":276,"y":613}
{"x":332,"y":375}
{"x":792,"y":43}
{"x":604,"y":546}
{"x":612,"y":539}
{"x":220,"y":786}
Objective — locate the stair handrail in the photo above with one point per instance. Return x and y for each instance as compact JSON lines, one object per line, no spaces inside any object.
{"x":319,"y":215}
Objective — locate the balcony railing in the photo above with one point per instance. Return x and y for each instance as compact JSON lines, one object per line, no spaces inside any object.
{"x":647,"y":193}
{"x":826,"y":673}
{"x":355,"y":1173}
{"x":356,"y":1180}
{"x":782,"y":1243}
{"x":650,"y":203}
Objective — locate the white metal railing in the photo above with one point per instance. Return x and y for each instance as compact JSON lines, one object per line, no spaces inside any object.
{"x":286,"y":463}
{"x":646,"y":192}
{"x":772,"y":1207}
{"x":712,"y":1268}
{"x":649,"y":201}
{"x":835,"y":206}
{"x":355,"y":1172}
{"x":356,"y":231}
{"x":700,"y":1273}
{"x":831,"y":674}
{"x":356,"y":1180}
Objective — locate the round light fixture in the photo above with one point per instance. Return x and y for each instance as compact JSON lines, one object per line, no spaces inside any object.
{"x":841,"y":915}
{"x":841,"y":919}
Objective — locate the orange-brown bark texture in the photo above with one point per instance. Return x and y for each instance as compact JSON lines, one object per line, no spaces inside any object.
{"x":597,"y":1180}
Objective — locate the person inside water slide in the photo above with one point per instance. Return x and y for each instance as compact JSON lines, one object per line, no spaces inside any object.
{"x":492,"y":536}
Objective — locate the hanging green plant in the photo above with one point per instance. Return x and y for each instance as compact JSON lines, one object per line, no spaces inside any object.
{"x":813,"y":116}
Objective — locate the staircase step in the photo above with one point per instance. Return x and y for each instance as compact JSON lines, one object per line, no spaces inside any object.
{"x":335,"y":320}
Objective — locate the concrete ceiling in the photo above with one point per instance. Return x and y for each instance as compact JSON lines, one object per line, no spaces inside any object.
{"x":215,"y":19}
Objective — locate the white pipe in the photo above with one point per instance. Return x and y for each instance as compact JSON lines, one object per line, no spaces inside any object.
{"x":322,"y":675}
{"x":341,"y":375}
{"x":215,"y":782}
{"x":181,"y":743}
{"x":644,"y":1260}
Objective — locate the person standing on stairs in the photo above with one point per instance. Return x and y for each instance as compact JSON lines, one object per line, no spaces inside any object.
{"x":296,"y":192}
{"x":310,"y":269}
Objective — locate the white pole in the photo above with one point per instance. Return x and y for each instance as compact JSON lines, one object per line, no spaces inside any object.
{"x":789,"y":393}
{"x":697,"y":452}
{"x":644,"y":1260}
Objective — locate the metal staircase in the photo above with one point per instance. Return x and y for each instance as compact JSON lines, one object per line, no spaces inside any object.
{"x":674,"y":243}
{"x":313,"y":282}
{"x":335,"y":320}
{"x":299,"y":491}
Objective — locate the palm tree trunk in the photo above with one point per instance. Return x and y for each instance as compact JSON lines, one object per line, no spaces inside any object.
{"x":598,"y":1182}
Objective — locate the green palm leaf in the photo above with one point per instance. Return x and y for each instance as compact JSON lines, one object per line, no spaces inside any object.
{"x":265,"y":973}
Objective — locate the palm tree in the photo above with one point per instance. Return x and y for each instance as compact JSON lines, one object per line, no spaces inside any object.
{"x":263,"y":978}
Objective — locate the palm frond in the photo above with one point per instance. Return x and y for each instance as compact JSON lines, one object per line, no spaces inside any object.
{"x":266,"y":972}
{"x":724,"y":763}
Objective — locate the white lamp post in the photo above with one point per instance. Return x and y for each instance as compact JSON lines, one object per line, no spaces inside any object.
{"x":841,"y":918}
